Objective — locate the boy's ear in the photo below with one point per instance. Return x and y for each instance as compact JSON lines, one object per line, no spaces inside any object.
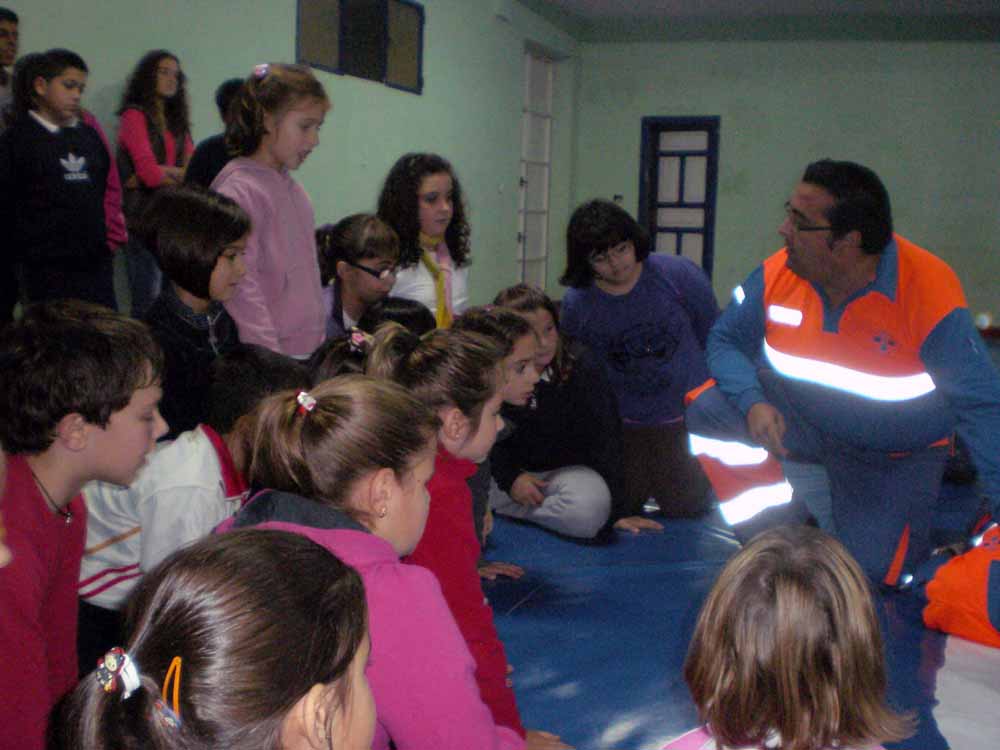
{"x":40,"y":85}
{"x":71,"y":431}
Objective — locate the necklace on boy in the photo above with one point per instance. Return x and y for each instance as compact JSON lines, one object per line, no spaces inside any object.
{"x":67,"y":516}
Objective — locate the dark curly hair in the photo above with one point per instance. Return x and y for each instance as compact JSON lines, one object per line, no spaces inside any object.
{"x":594,"y":227}
{"x":398,"y":205}
{"x":140,"y":93}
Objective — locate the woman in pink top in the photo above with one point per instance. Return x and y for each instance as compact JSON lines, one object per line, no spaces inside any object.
{"x":275,"y":126}
{"x":154,"y":146}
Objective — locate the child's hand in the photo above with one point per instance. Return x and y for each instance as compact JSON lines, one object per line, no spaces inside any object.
{"x":635,"y":524}
{"x":491,"y":570}
{"x":536,"y":739}
{"x":527,"y":490}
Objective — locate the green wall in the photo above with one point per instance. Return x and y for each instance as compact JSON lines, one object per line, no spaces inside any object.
{"x":470,"y":110}
{"x":923,"y":115}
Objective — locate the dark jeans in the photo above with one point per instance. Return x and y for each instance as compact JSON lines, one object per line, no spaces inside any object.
{"x":659,"y":464}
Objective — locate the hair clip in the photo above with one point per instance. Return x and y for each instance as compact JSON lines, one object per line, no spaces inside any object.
{"x":116,"y":666}
{"x":170,"y":717}
{"x":260,"y":71}
{"x":359,"y":341}
{"x":306,"y":403}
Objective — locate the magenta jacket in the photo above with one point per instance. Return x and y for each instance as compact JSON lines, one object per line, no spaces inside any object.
{"x":279,"y":303}
{"x":420,"y":671}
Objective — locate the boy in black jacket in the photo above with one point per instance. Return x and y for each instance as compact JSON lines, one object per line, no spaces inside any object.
{"x":53,"y":177}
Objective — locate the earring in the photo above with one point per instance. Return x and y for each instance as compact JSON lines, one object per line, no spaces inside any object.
{"x":382,"y":512}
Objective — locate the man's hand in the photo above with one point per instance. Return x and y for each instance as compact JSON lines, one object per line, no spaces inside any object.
{"x":528,"y":490}
{"x":635,"y":524}
{"x":767,"y":427}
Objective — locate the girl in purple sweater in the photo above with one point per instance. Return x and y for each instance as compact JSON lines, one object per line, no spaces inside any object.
{"x":274,"y":128}
{"x":346,"y":465}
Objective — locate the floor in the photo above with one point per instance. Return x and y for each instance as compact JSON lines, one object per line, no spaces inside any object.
{"x":597,"y":635}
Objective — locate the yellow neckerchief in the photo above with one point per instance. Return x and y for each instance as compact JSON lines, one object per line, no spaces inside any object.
{"x":428,"y":247}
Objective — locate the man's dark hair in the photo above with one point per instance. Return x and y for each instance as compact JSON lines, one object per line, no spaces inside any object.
{"x":225,"y":94}
{"x":6,"y":14}
{"x":862,"y":202}
{"x":69,"y":357}
{"x":243,"y":377}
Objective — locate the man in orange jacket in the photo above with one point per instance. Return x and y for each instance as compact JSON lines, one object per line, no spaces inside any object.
{"x":852,"y":350}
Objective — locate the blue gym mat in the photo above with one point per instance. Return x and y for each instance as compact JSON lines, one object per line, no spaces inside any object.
{"x":597,"y":635}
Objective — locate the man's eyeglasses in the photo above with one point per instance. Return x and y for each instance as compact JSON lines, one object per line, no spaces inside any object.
{"x":798,"y":224}
{"x":382,"y":275}
{"x":617,"y":251}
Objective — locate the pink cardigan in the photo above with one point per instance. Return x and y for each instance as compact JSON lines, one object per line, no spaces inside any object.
{"x":279,"y":303}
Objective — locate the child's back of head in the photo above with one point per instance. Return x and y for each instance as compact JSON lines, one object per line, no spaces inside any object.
{"x":787,"y":645}
{"x":69,"y":357}
{"x":408,"y":313}
{"x":244,"y":377}
{"x":249,"y":637}
{"x":442,"y":368}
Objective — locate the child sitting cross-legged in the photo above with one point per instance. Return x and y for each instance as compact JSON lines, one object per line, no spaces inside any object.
{"x":79,"y":386}
{"x":198,"y":238}
{"x":187,"y":487}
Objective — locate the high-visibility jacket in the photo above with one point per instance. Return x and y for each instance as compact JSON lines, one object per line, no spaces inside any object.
{"x":894,"y":368}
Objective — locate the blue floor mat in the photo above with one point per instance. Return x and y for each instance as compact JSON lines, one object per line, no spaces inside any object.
{"x":597,"y":635}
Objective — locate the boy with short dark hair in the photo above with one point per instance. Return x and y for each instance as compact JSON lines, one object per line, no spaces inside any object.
{"x":79,"y":387}
{"x":186,"y":489}
{"x":53,"y":179}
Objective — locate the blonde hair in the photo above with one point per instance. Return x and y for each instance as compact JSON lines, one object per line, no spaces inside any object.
{"x":357,"y":425}
{"x":442,"y":368}
{"x":273,"y":88}
{"x":788,"y":642}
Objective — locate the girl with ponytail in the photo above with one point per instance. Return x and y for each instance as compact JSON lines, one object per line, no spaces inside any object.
{"x":231,"y":646}
{"x":274,"y":127}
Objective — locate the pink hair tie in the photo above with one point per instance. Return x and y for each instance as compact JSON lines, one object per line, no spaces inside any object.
{"x":359,"y":341}
{"x":260,"y":71}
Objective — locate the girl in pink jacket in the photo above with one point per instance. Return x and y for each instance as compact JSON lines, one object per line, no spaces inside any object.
{"x":275,"y":126}
{"x":347,"y":466}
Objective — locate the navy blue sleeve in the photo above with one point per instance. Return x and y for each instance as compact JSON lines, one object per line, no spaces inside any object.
{"x":698,"y":298}
{"x":960,"y":366}
{"x":735,"y":343}
{"x":570,"y":314}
